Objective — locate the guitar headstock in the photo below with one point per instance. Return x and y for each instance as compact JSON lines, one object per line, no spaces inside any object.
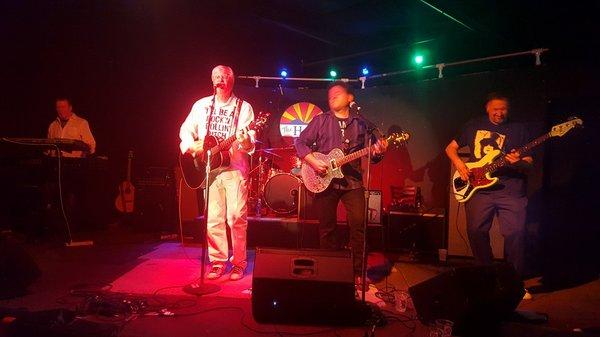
{"x":260,"y":121}
{"x":398,"y":138}
{"x":561,"y":129}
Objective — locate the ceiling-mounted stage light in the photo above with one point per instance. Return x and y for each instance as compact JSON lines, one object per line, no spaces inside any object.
{"x":419,"y":59}
{"x":333,"y":73}
{"x":283,"y":73}
{"x":365,"y":71}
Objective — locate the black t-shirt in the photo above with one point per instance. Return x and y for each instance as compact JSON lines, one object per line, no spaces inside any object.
{"x":481,"y":136}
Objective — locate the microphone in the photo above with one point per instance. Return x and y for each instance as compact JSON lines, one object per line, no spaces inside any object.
{"x":354,"y":106}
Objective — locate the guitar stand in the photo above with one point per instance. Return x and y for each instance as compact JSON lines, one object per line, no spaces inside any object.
{"x":201,"y":288}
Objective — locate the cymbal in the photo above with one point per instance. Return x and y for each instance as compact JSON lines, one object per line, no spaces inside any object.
{"x":268,"y":151}
{"x":281,"y":148}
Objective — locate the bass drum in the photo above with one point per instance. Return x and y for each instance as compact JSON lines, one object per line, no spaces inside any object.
{"x":281,"y":193}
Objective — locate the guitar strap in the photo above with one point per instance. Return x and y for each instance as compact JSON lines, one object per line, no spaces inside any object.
{"x":236,"y":113}
{"x":210,"y":115}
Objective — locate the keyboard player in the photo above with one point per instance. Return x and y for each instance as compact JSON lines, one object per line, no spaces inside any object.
{"x":68,"y":125}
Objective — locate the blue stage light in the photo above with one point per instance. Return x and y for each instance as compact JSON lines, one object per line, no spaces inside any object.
{"x":365,"y":71}
{"x":283,"y":73}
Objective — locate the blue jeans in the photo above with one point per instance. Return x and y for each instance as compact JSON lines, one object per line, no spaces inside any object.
{"x":511,"y":212}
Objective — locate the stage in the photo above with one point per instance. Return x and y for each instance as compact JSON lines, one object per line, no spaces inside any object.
{"x":156,"y":271}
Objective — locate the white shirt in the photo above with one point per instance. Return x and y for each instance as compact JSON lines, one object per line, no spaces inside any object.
{"x":75,"y":128}
{"x":195,"y":127}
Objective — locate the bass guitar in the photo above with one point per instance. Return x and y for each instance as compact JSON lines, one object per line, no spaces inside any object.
{"x":335,"y":159}
{"x":481,"y":171}
{"x":193,"y":168}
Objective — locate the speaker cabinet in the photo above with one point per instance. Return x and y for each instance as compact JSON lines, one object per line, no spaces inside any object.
{"x":17,"y":269}
{"x":471,"y":297}
{"x":303,"y":286}
{"x":424,"y":232}
{"x":156,"y":201}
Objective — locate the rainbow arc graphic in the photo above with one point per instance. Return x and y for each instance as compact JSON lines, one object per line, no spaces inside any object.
{"x":296,"y":117}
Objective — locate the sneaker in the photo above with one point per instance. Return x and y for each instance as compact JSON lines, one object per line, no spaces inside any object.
{"x":236,"y":273}
{"x":216,"y":271}
{"x":527,"y":295}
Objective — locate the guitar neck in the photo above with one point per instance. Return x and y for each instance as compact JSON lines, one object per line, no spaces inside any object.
{"x":524,"y":149}
{"x":354,"y":155}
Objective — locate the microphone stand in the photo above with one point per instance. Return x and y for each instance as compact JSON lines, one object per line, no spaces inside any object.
{"x":201,"y":288}
{"x":371,"y":128}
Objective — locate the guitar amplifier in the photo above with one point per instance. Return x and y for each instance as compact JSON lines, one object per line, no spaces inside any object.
{"x":156,"y":201}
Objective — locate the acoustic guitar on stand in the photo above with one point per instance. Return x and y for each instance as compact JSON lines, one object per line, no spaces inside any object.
{"x":125,"y":200}
{"x":335,"y":159}
{"x":481,"y":171}
{"x":193,"y":168}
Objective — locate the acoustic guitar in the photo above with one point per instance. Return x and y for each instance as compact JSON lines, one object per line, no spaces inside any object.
{"x":193,"y":168}
{"x":125,"y":200}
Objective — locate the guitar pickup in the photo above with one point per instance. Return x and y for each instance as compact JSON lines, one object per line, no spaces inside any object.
{"x":333,"y":165}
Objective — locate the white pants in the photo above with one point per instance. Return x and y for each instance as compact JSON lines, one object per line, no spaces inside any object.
{"x":227,"y":205}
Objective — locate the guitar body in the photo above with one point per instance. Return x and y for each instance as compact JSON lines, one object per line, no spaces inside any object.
{"x":464,"y":190}
{"x":481,"y":170}
{"x":125,"y":200}
{"x":335,"y":160}
{"x":317,"y":183}
{"x":194,"y":168}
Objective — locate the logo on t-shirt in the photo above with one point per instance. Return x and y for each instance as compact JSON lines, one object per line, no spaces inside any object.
{"x":221,"y":123}
{"x":486,"y":141}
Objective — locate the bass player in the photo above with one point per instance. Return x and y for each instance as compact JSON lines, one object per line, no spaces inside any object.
{"x":507,"y":199}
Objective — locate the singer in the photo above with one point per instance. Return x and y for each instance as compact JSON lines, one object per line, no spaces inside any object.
{"x":222,"y":115}
{"x":343,"y":129}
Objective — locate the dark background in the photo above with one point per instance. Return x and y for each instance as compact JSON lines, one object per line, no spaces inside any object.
{"x":134,"y":68}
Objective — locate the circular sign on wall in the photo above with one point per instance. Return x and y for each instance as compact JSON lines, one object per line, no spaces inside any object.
{"x":296,"y":117}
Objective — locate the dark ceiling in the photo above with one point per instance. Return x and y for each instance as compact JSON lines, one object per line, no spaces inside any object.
{"x":306,"y":36}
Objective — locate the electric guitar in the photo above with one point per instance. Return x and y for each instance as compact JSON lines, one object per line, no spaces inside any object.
{"x":481,"y":171}
{"x":125,"y":200}
{"x":193,"y":168}
{"x":335,"y":159}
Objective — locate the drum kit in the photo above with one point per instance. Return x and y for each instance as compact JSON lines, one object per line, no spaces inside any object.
{"x":274,"y":181}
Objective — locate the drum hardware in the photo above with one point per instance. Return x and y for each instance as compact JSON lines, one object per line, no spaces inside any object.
{"x":271,"y":185}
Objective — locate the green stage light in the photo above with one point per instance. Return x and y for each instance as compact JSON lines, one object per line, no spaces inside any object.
{"x":419,"y":59}
{"x":333,"y":73}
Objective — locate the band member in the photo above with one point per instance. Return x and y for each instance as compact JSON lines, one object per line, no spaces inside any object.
{"x":507,"y":199}
{"x":339,"y":128}
{"x":70,"y":126}
{"x":226,"y":115}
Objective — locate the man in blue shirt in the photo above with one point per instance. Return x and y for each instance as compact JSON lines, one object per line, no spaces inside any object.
{"x":507,"y":198}
{"x":339,"y":128}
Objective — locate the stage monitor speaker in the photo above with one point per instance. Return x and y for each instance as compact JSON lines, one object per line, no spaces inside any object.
{"x":472,"y":297}
{"x":304,"y":286}
{"x":17,"y":269}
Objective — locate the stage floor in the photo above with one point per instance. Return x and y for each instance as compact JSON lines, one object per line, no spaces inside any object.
{"x":158,"y":271}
